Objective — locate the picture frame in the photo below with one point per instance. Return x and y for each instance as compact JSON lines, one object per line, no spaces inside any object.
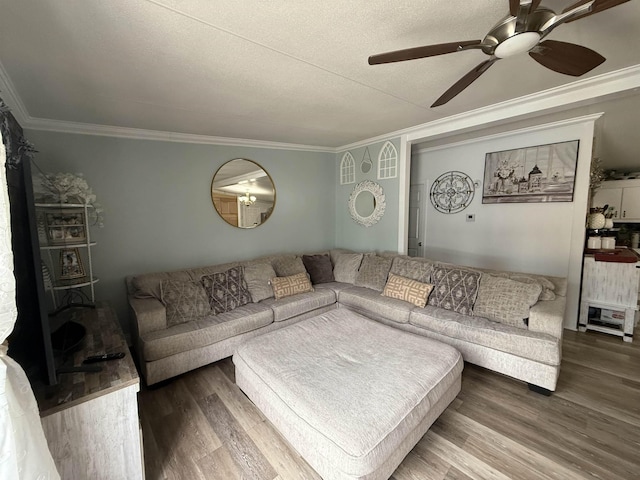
{"x":65,"y":227}
{"x":542,"y":173}
{"x":71,"y":264}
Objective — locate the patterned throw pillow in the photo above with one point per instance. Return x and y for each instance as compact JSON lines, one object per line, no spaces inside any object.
{"x":184,"y":301}
{"x":319,"y":268}
{"x":454,"y":289}
{"x":288,"y":265}
{"x":407,"y":289}
{"x":506,"y":301}
{"x":226,"y":290}
{"x":346,"y":268}
{"x":373,"y":272}
{"x":292,"y":285}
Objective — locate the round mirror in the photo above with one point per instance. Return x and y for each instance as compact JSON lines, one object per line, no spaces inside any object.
{"x":367,"y":203}
{"x":243,"y":193}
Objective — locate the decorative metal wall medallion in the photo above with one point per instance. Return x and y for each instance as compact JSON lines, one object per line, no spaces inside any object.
{"x":452,"y":192}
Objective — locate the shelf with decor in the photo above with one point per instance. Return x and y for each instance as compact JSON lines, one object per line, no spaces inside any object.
{"x":65,"y":240}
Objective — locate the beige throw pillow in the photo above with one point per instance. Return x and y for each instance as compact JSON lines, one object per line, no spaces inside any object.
{"x":291,"y":285}
{"x":407,"y":289}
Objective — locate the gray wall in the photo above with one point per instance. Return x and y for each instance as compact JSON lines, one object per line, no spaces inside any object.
{"x":382,"y":236}
{"x":158,"y":211}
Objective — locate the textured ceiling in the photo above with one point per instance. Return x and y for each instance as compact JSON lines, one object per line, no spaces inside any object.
{"x":293,"y":72}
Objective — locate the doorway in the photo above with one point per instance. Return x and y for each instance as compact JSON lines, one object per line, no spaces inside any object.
{"x":417,"y":212}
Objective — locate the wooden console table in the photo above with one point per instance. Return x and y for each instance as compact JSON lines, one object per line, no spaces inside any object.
{"x":90,"y":420}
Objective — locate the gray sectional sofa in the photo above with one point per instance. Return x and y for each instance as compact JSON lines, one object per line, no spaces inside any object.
{"x":508,"y":322}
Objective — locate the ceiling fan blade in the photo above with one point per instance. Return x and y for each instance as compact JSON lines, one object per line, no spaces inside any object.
{"x":525,"y":7}
{"x":598,"y":6}
{"x":464,"y":82}
{"x":420,"y":52}
{"x":567,"y":58}
{"x":513,"y":7}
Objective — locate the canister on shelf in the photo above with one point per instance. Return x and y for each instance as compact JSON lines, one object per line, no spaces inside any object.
{"x":594,"y":243}
{"x":608,"y":243}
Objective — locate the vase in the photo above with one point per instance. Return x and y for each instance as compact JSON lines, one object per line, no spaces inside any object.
{"x":596,"y":221}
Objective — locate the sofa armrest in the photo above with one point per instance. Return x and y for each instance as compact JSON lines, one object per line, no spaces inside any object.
{"x":149,"y":314}
{"x":548,"y":317}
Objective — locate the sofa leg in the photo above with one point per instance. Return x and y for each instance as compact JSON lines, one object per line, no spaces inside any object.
{"x":540,"y":390}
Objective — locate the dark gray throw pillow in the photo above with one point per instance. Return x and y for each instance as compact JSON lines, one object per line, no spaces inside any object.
{"x":319,"y":268}
{"x":226,"y":290}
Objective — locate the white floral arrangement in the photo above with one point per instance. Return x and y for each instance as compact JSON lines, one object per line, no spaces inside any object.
{"x":68,"y":188}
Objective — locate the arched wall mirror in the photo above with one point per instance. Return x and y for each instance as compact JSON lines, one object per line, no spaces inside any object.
{"x":367,"y":203}
{"x":243,"y":193}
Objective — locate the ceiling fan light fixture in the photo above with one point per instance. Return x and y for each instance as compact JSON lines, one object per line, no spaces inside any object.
{"x":519,"y":43}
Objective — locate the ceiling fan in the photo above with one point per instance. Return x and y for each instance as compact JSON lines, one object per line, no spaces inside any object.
{"x":523,"y":30}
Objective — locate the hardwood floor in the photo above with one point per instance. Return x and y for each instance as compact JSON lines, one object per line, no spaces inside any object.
{"x":201,"y":426}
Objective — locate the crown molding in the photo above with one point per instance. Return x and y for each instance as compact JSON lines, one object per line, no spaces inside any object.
{"x":11,"y":98}
{"x":567,"y":96}
{"x":141,"y":134}
{"x":536,"y":128}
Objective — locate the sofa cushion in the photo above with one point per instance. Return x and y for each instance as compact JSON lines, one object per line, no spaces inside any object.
{"x":540,"y":347}
{"x":416,"y":269}
{"x":291,"y":285}
{"x":407,"y":289}
{"x":455,"y":289}
{"x":373,"y":305}
{"x":204,"y":331}
{"x":287,"y":265}
{"x":319,"y":268}
{"x":373,"y":272}
{"x":184,"y":301}
{"x":506,"y":301}
{"x":545,"y":292}
{"x":548,"y":286}
{"x":346,"y":267}
{"x":258,"y":276}
{"x":226,"y":290}
{"x":147,"y":285}
{"x":295,"y":305}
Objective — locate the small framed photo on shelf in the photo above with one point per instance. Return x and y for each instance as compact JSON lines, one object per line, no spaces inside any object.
{"x":65,"y":226}
{"x":70,"y":264}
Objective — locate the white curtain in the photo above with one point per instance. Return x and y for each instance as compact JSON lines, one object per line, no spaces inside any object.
{"x":24,"y":453}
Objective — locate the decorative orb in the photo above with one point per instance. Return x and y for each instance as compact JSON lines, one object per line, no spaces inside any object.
{"x":596,"y":221}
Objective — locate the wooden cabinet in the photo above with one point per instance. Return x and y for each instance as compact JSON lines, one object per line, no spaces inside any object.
{"x":90,"y":419}
{"x":630,"y":203}
{"x":623,"y":196}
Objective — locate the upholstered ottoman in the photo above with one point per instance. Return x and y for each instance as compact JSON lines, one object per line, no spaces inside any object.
{"x":351,"y":395}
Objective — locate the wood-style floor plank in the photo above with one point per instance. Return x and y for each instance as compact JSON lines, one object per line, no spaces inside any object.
{"x":202,"y":426}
